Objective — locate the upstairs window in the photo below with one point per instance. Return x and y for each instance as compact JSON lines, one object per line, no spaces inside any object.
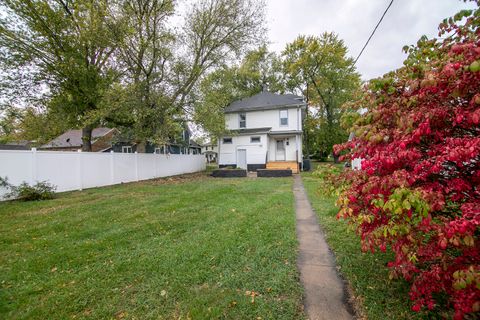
{"x":227,"y":140}
{"x":243,"y":120}
{"x":284,"y":117}
{"x":254,"y":139}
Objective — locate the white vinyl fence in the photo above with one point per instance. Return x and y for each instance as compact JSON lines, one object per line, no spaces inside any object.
{"x":80,"y":170}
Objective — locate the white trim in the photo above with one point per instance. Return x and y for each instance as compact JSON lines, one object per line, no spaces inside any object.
{"x":280,"y":117}
{"x":240,"y":120}
{"x":284,"y":149}
{"x":127,"y":148}
{"x":255,"y":137}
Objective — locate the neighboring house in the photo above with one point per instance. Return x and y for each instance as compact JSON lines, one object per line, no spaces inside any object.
{"x":194,"y":148}
{"x":210,"y":151}
{"x":72,"y":140}
{"x":182,"y":144}
{"x":265,"y":132}
{"x":16,"y":145}
{"x":108,"y":139}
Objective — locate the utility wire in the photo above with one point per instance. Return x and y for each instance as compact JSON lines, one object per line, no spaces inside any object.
{"x":366,"y":43}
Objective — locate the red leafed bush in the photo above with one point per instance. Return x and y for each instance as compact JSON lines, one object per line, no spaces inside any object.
{"x":418,"y":192}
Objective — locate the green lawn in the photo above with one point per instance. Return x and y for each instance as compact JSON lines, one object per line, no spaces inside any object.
{"x":171,"y":249}
{"x":377,"y":297}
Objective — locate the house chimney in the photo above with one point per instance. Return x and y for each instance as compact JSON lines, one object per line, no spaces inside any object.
{"x":264,"y":87}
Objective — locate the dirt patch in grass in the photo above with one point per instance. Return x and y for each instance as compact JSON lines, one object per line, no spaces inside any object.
{"x":177,"y":179}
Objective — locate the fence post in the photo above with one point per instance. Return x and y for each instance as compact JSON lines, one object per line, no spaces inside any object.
{"x":80,"y":169}
{"x":34,"y":166}
{"x":136,"y":166}
{"x":112,"y":167}
{"x":155,"y":158}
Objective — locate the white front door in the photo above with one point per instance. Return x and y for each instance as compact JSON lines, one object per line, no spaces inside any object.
{"x":280,"y":150}
{"x":242,"y":158}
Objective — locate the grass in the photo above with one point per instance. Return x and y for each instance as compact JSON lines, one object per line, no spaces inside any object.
{"x":377,"y":296}
{"x":168,"y":249}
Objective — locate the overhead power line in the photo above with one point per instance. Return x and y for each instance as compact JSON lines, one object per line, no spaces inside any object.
{"x":373,"y":32}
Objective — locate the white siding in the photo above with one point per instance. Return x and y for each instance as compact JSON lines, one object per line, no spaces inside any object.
{"x":256,"y":152}
{"x":290,"y":149}
{"x":266,"y":118}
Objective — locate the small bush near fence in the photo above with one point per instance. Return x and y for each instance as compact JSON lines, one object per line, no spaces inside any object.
{"x":39,"y":191}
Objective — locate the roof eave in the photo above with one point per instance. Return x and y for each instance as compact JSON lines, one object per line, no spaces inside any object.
{"x":298,"y":105}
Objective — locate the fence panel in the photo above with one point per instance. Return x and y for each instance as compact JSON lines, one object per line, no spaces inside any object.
{"x":59,"y":168}
{"x":79,"y":170}
{"x":95,"y":171}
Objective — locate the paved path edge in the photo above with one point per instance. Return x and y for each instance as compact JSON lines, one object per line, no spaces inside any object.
{"x":326,"y":294}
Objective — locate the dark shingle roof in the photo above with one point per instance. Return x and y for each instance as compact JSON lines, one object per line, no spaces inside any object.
{"x":251,"y":130}
{"x":73,"y":138}
{"x":264,"y":101}
{"x":14,"y":146}
{"x":194,"y":144}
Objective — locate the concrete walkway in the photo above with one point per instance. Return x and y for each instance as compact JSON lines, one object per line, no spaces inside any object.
{"x":325,"y":297}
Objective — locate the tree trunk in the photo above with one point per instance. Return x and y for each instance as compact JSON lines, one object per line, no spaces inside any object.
{"x":87,"y":139}
{"x":336,"y":158}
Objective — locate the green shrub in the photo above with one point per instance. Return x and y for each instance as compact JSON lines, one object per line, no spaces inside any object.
{"x":331,"y":181}
{"x":326,"y":171}
{"x":41,"y":190}
{"x":4,"y":183}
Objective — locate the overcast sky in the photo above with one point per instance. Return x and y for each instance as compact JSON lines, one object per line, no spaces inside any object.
{"x":354,"y":20}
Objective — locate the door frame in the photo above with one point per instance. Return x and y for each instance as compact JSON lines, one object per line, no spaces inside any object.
{"x":246,"y":163}
{"x":284,"y":149}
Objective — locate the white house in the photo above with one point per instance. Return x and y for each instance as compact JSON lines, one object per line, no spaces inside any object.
{"x":265,"y":131}
{"x":210,"y":151}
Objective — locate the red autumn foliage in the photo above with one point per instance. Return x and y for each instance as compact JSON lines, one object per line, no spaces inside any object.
{"x":418,"y":192}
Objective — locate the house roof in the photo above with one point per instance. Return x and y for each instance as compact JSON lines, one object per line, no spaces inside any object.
{"x":285,"y":132}
{"x":264,"y":101}
{"x":194,"y":144}
{"x":73,"y":138}
{"x":251,"y":131}
{"x":209,"y":152}
{"x":14,"y":146}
